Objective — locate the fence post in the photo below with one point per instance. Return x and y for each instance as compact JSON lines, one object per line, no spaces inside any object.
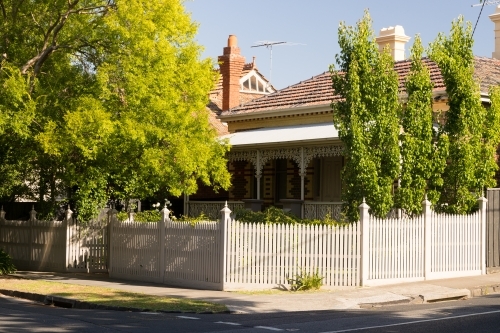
{"x":164,"y":221}
{"x":427,"y":214}
{"x":225,"y":217}
{"x":68,"y":225}
{"x":364,"y":223}
{"x":31,"y":223}
{"x":482,"y":211}
{"x":111,"y":223}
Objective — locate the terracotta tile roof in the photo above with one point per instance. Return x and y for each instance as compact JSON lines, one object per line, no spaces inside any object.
{"x":318,"y":89}
{"x":219,"y":127}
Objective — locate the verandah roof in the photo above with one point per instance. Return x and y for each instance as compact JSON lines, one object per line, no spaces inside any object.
{"x":285,"y":134}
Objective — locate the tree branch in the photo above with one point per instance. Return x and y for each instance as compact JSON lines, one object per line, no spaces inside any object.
{"x":4,"y":14}
{"x":50,"y":37}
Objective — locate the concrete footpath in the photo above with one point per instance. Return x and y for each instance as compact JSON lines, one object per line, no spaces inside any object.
{"x":339,"y":299}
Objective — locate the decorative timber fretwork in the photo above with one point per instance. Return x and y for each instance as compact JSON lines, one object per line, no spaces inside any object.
{"x":323,"y":151}
{"x":274,"y":154}
{"x":249,"y":156}
{"x":302,"y":156}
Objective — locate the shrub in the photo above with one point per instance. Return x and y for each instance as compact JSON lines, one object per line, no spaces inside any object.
{"x":6,"y":265}
{"x":274,"y":215}
{"x":305,"y":281}
{"x":147,"y":216}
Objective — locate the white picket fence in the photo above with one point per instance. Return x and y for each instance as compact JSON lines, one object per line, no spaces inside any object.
{"x":231,"y":255}
{"x":265,"y":256}
{"x":426,"y":247}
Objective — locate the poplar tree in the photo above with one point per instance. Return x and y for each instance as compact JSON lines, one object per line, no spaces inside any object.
{"x":473,"y":131}
{"x":366,"y":116}
{"x":423,"y":156}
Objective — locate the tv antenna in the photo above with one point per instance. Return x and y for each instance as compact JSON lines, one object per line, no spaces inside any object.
{"x":482,"y":4}
{"x":486,"y":3}
{"x":269,"y":45}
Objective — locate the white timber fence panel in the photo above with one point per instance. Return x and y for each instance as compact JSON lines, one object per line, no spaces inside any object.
{"x":174,"y":253}
{"x":34,"y":244}
{"x":267,"y":255}
{"x":135,"y":249}
{"x":61,"y":246}
{"x":430,"y":246}
{"x":192,"y":254}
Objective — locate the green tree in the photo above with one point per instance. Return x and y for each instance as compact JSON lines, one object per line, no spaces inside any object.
{"x":107,"y":99}
{"x":366,"y":116}
{"x":473,"y":131}
{"x":423,"y":157}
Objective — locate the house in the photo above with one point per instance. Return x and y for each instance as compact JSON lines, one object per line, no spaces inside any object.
{"x":285,"y":149}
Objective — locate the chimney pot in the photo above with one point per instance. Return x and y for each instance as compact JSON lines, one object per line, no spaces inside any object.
{"x":396,"y":38}
{"x":495,"y":18}
{"x":232,"y":41}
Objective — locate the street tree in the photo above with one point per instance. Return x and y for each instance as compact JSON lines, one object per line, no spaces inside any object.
{"x":366,"y":116}
{"x":106,"y":98}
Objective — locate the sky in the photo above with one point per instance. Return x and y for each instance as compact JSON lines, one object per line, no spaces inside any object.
{"x":310,"y":28}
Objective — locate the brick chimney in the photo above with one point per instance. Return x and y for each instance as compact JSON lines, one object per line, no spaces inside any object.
{"x":496,"y":19}
{"x":231,"y":65}
{"x":396,"y":38}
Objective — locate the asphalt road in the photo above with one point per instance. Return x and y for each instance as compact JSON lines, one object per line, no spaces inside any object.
{"x":481,"y":314}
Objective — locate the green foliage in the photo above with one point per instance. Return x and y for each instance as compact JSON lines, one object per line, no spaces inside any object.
{"x":472,"y":131}
{"x":192,"y":220}
{"x":6,"y":265}
{"x":366,"y":116}
{"x":305,"y":281}
{"x":274,"y":215}
{"x":147,"y":216}
{"x":122,"y":216}
{"x":422,"y":161}
{"x":113,"y":105}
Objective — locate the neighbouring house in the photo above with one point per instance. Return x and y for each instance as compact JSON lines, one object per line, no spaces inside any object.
{"x":285,"y":149}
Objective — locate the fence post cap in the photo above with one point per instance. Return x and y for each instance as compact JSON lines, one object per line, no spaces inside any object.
{"x":165,"y":214}
{"x":482,"y":199}
{"x":226,"y":208}
{"x":69,"y":212}
{"x":426,"y":202}
{"x":33,"y":213}
{"x":364,"y":205}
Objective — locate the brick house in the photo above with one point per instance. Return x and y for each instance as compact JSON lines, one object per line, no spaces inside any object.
{"x":285,"y":148}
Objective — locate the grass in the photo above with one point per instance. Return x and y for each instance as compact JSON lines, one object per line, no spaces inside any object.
{"x":110,"y":297}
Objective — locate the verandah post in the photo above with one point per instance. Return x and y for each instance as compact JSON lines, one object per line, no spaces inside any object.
{"x":364,"y":224}
{"x":482,"y":215}
{"x":164,"y":221}
{"x":427,"y":214}
{"x":225,"y":217}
